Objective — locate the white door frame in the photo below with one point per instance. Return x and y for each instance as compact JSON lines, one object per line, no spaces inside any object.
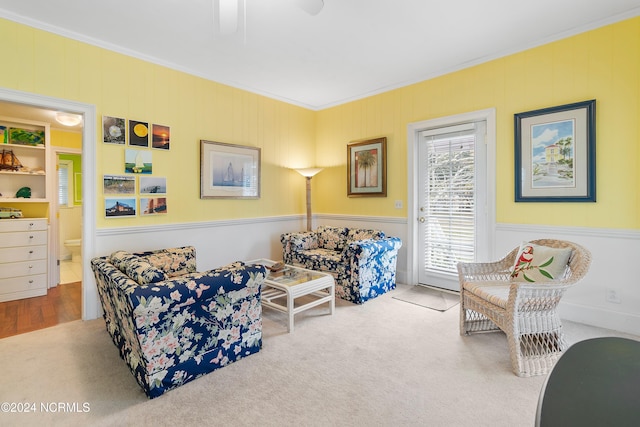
{"x":88,"y":111}
{"x":413,"y":163}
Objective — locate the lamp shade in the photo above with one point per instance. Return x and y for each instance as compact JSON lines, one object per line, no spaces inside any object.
{"x":308,"y":172}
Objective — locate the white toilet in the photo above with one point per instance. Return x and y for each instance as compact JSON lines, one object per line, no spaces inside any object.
{"x":75,"y":247}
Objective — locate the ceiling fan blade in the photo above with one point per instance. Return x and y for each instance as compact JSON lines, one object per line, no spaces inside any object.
{"x":228,"y":16}
{"x":312,"y":7}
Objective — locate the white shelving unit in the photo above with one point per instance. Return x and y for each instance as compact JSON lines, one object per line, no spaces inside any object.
{"x":36,"y":171}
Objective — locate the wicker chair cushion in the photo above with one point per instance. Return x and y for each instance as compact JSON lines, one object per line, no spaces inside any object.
{"x":497,"y":293}
{"x":536,"y":263}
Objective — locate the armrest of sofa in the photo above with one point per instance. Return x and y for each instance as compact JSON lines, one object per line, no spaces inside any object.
{"x":196,"y":287}
{"x":370,"y":248}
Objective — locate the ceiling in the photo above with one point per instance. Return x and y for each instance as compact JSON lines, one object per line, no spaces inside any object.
{"x":350,"y":50}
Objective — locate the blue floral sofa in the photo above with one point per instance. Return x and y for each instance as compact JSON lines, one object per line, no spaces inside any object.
{"x":172,"y":324}
{"x":362,"y":261}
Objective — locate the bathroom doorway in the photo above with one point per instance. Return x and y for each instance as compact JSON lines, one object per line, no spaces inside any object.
{"x":69,"y":215}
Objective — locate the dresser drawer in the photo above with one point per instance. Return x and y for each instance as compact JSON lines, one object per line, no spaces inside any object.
{"x":23,"y":287}
{"x":23,"y":268}
{"x":22,"y":253}
{"x":24,"y":238}
{"x":25,"y":224}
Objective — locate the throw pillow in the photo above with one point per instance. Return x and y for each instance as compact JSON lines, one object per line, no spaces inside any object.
{"x":136,"y":268}
{"x":536,"y":263}
{"x":173,"y":261}
{"x":331,"y":237}
{"x":356,"y":234}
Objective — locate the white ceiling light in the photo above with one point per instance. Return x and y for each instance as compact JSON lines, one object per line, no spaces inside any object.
{"x":68,"y":119}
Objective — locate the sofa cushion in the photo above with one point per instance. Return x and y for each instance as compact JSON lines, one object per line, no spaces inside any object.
{"x":333,"y":238}
{"x":356,"y":234}
{"x":173,"y":261}
{"x":536,"y":263}
{"x":137,"y":268}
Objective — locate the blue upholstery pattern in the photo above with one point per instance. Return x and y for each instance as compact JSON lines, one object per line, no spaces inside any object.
{"x":174,"y":331}
{"x":362,"y":262}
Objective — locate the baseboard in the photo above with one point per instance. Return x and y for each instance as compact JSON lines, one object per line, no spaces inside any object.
{"x":602,"y":318}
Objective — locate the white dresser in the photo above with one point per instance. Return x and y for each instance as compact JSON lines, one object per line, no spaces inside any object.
{"x":23,"y":258}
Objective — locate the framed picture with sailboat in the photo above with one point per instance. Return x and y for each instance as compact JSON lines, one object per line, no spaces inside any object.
{"x":229,"y":171}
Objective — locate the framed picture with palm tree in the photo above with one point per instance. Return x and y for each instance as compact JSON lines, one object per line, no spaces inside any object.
{"x":367,"y":168}
{"x":555,"y":154}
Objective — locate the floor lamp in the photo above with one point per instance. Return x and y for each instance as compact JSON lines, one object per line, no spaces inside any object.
{"x":308,"y":173}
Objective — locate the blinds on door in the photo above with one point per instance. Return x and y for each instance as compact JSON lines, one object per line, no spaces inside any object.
{"x":449,"y":205}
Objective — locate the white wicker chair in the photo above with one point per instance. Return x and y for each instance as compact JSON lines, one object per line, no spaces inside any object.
{"x":525,"y":312}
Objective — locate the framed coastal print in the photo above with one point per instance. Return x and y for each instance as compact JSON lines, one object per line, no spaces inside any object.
{"x":153,"y":205}
{"x":118,"y":184}
{"x":160,"y":137}
{"x":119,"y":207}
{"x":229,"y":171}
{"x":367,"y":168}
{"x":138,"y":161}
{"x":555,"y":154}
{"x":153,"y":185}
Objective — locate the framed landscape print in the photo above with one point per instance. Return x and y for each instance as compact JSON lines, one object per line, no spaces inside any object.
{"x":555,"y":154}
{"x":160,"y":137}
{"x":229,"y":171}
{"x":367,"y":168}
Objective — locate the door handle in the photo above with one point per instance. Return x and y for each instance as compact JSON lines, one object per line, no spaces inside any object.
{"x":422,"y":219}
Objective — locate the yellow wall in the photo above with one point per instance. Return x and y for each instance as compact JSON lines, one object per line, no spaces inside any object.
{"x":603,"y":64}
{"x":194,"y":108}
{"x":61,"y":138}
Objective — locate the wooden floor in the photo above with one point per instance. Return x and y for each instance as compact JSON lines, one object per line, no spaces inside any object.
{"x":61,"y":304}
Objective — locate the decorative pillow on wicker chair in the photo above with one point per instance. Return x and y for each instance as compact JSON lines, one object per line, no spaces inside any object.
{"x":536,"y":263}
{"x":136,"y":268}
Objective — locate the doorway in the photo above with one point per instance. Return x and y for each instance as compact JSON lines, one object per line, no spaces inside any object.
{"x":89,"y":296}
{"x":446,"y":155}
{"x":69,"y":214}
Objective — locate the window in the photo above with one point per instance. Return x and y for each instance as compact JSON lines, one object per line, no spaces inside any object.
{"x":65,"y":183}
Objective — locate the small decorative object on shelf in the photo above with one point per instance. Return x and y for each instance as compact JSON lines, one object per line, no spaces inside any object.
{"x":9,"y":161}
{"x":26,"y":137}
{"x":24,"y":192}
{"x":10,"y":213}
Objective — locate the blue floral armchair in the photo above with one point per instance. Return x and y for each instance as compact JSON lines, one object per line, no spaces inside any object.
{"x":363,"y":262}
{"x":172,"y":324}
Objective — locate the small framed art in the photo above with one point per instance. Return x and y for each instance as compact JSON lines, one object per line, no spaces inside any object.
{"x":367,"y":168}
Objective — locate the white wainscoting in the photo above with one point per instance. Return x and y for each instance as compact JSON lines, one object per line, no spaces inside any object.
{"x":613,"y":266}
{"x":217,"y":243}
{"x":220,"y":242}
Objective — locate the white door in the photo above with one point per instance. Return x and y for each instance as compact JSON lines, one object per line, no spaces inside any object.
{"x":451,"y":200}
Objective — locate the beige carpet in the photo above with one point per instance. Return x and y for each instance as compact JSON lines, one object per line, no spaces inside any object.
{"x":428,"y":297}
{"x":385,"y":363}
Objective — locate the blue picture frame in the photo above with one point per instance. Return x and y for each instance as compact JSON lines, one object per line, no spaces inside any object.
{"x":555,"y":154}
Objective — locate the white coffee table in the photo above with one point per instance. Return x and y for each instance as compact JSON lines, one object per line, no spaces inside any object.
{"x":295,"y":282}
